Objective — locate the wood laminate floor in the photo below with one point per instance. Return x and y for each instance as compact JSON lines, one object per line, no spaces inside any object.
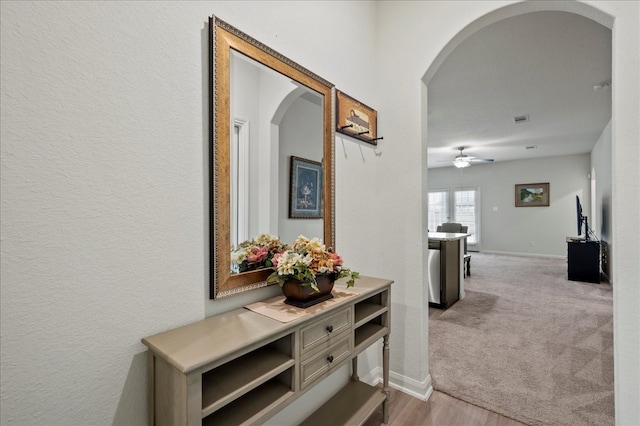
{"x":440,"y":410}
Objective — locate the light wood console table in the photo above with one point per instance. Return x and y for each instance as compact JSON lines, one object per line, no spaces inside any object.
{"x":242,"y":367}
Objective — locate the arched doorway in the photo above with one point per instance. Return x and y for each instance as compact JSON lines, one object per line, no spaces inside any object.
{"x":507,"y":12}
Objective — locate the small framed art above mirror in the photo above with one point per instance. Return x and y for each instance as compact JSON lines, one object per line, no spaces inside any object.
{"x":264,"y":110}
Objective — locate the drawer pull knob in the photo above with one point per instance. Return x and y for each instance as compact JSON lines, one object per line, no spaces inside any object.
{"x":329,"y":328}
{"x":330,"y":358}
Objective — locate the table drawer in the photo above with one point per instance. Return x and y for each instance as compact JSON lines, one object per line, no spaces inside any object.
{"x":323,"y":330}
{"x":324,"y":361}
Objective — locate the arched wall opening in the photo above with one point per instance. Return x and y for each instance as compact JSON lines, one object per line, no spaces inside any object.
{"x":505,"y":12}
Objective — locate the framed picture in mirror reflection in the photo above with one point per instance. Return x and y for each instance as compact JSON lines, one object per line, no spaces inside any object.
{"x":305,"y":199}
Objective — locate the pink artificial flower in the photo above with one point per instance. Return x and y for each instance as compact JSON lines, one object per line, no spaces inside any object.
{"x":276,"y":258}
{"x":336,"y":259}
{"x":257,"y":254}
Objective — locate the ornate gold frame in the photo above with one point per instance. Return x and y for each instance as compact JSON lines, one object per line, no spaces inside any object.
{"x":222,"y":38}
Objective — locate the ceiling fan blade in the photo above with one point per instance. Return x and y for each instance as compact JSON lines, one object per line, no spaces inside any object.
{"x":481,"y":160}
{"x":463,"y":160}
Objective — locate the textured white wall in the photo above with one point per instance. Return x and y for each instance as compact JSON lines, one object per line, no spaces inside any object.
{"x":625,"y":207}
{"x":601,"y":174}
{"x":511,"y":229}
{"x":102,"y":202}
{"x":105,"y":186}
{"x":601,"y":189}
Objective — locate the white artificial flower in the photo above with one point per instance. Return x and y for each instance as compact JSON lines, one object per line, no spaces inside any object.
{"x":238,"y":256}
{"x":316,"y":244}
{"x":287,"y":262}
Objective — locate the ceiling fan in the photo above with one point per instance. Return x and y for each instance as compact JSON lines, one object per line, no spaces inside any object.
{"x":463,"y":160}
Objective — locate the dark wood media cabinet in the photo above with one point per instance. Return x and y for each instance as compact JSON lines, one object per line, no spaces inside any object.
{"x":583,"y":260}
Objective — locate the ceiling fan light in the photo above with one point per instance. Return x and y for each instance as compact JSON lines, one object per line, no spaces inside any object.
{"x":461,"y":162}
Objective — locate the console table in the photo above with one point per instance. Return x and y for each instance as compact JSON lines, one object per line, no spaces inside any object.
{"x":242,"y":367}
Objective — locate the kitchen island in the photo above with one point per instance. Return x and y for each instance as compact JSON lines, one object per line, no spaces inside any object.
{"x":445,"y":267}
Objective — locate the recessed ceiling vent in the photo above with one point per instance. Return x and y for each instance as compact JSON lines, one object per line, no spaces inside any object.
{"x":521,"y":118}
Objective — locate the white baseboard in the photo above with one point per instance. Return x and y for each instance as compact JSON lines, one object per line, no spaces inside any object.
{"x":374,"y":377}
{"x":509,"y":253}
{"x":421,"y":390}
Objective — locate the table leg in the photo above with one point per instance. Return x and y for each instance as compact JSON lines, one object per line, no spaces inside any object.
{"x":385,"y":379}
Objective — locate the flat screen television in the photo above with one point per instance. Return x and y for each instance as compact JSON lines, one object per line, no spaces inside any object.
{"x":579,"y":215}
{"x":581,"y":219}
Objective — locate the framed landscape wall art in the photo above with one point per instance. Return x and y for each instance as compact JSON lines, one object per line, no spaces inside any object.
{"x":532,"y":194}
{"x":355,"y":119}
{"x":305,"y":199}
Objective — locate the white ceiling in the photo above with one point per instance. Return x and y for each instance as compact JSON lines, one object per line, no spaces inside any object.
{"x":542,"y":64}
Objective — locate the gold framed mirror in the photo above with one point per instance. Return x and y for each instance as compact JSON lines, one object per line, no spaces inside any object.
{"x":264,"y":109}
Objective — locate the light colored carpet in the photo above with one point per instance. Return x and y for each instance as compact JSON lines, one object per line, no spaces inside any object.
{"x":527,"y":343}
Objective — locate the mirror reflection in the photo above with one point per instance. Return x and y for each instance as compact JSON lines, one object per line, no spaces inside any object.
{"x":273,"y":119}
{"x":271,"y":125}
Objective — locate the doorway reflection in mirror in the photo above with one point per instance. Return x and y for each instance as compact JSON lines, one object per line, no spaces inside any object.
{"x":273,"y":119}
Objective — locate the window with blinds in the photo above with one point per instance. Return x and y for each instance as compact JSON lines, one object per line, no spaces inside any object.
{"x":438,"y":208}
{"x":465,"y":208}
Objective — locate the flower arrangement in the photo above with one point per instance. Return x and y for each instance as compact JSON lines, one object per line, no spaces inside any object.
{"x":304,"y":259}
{"x":254,"y":254}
